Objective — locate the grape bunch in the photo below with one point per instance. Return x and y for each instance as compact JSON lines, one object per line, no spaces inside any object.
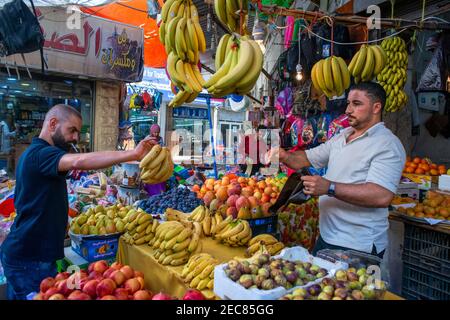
{"x":181,"y":199}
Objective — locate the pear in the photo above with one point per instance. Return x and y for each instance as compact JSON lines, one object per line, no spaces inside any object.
{"x":93,"y":230}
{"x":90,"y":212}
{"x":244,"y":213}
{"x":99,"y":208}
{"x":257,"y":213}
{"x":120,"y":226}
{"x":102,"y":230}
{"x":110,"y":228}
{"x":81,"y":220}
{"x":75,"y":228}
{"x":111,"y":214}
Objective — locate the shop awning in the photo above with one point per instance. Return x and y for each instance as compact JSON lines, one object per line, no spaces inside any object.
{"x":135,"y":12}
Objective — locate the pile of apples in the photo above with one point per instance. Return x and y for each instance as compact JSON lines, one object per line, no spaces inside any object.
{"x":424,"y":166}
{"x":231,"y":194}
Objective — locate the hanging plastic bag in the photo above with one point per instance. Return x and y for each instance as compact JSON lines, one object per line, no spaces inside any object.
{"x":289,"y":31}
{"x":322,"y":128}
{"x":433,"y":78}
{"x":296,"y":132}
{"x":337,"y":125}
{"x":308,"y":132}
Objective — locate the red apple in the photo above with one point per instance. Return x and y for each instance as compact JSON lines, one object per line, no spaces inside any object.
{"x":108,"y":272}
{"x":141,"y":282}
{"x":231,"y":202}
{"x":161,"y":296}
{"x":57,"y":296}
{"x":62,"y":276}
{"x":91,"y":288}
{"x":105,"y":287}
{"x":121,"y":294}
{"x":138,"y":274}
{"x":242,"y":202}
{"x":142,"y":295}
{"x":46,"y":284}
{"x":132,"y":285}
{"x":108,"y":297}
{"x":100,"y":266}
{"x":127,"y":271}
{"x":51,"y":291}
{"x":118,"y":277}
{"x":192,"y":294}
{"x":63,"y":289}
{"x":78,"y":295}
{"x":117,"y":265}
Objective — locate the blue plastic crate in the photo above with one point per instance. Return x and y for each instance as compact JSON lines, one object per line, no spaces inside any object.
{"x":264,"y":225}
{"x":94,"y":248}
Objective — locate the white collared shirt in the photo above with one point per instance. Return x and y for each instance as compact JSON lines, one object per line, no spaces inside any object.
{"x":377,"y":156}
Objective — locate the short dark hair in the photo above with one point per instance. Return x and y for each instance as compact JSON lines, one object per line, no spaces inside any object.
{"x":62,"y":112}
{"x":374,"y":91}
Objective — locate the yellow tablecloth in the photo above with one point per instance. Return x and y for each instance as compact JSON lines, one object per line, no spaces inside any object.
{"x":167,"y":279}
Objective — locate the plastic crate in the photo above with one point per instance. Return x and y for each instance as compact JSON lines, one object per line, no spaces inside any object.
{"x":421,"y":284}
{"x":426,"y":264}
{"x":427,"y":249}
{"x":264,"y":225}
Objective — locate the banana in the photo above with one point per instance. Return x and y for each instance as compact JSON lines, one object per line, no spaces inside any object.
{"x":244,"y":62}
{"x":206,"y":272}
{"x":275,"y":248}
{"x":157,"y":243}
{"x":161,"y":156}
{"x":149,"y":157}
{"x":230,"y":9}
{"x":236,"y":228}
{"x":210,"y":284}
{"x":144,"y":217}
{"x":202,"y":284}
{"x":253,"y":73}
{"x":149,"y":237}
{"x":198,"y":75}
{"x":162,"y":32}
{"x":157,"y":254}
{"x":162,"y":257}
{"x":140,"y":241}
{"x":194,"y":213}
{"x":186,"y":233}
{"x":328,"y":74}
{"x":143,"y":227}
{"x":344,"y":72}
{"x":200,"y":37}
{"x":221,"y":51}
{"x":140,"y":235}
{"x":194,"y":283}
{"x":200,"y":267}
{"x":171,"y":32}
{"x":206,"y":223}
{"x":179,"y":262}
{"x":219,"y":218}
{"x":193,"y":12}
{"x":213,"y":225}
{"x":368,"y":69}
{"x":181,"y":11}
{"x":267,"y":238}
{"x":180,"y":98}
{"x":244,"y":241}
{"x":172,"y":60}
{"x":180,"y":41}
{"x":351,"y":66}
{"x":252,"y":249}
{"x":220,"y":9}
{"x":337,"y":76}
{"x":181,"y":245}
{"x":360,"y":62}
{"x":165,"y":9}
{"x":170,"y":243}
{"x":194,"y":243}
{"x":173,"y":11}
{"x":319,"y":74}
{"x":173,"y":232}
{"x":201,"y":215}
{"x":379,"y":59}
{"x":223,"y":70}
{"x":222,"y":225}
{"x":191,"y":79}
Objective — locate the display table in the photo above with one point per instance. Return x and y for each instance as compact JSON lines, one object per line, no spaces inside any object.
{"x":168,"y":279}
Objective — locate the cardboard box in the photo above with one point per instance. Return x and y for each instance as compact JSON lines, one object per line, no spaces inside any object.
{"x":408,"y":189}
{"x":93,"y":248}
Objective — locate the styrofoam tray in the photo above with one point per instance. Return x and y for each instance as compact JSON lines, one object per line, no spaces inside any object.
{"x":404,"y":205}
{"x":227,"y":289}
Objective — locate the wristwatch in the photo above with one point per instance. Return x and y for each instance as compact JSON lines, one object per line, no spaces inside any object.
{"x":332,"y":190}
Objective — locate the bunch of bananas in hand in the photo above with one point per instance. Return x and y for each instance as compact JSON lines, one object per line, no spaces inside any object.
{"x":157,"y":165}
{"x":199,"y":271}
{"x":140,"y":228}
{"x":331,"y":76}
{"x":266,"y":241}
{"x":234,"y":233}
{"x":238,"y":66}
{"x":367,"y":63}
{"x":228,"y":13}
{"x":183,"y":39}
{"x":174,"y":243}
{"x":393,"y":76}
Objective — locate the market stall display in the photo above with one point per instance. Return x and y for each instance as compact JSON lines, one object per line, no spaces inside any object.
{"x":180,"y":198}
{"x":423,"y":166}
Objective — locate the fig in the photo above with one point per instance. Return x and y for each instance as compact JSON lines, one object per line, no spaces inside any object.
{"x":300,"y":292}
{"x":320,"y":275}
{"x":263,"y":258}
{"x":254,"y":287}
{"x":254,"y":269}
{"x":368,"y":292}
{"x":380,"y":285}
{"x":323,"y":270}
{"x":280,"y":280}
{"x":341,"y":284}
{"x":301,"y":272}
{"x":268,"y":284}
{"x":309,"y":278}
{"x":263,"y":272}
{"x":361,"y":271}
{"x":328,"y":282}
{"x":290,"y":266}
{"x":276,"y":272}
{"x":246,"y":267}
{"x":306,"y":266}
{"x":233,"y":264}
{"x":363,"y":279}
{"x":289,"y":286}
{"x":259,"y":280}
{"x":298,"y":298}
{"x":341,"y":293}
{"x":314,"y":268}
{"x":299,"y":282}
{"x":233,"y":274}
{"x":328,"y":290}
{"x":336,"y":298}
{"x":246,"y":281}
{"x":323,"y":296}
{"x":351,"y":276}
{"x":291,"y":276}
{"x":276,"y":264}
{"x":351,"y":270}
{"x":357,"y":295}
{"x":341,"y":275}
{"x":355,"y":285}
{"x":349,"y":298}
{"x":314,"y":289}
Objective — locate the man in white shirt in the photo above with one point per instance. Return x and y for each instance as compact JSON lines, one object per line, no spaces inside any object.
{"x":365,"y":163}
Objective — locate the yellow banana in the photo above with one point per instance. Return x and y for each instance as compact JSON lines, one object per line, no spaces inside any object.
{"x":198,"y":75}
{"x":179,"y":262}
{"x":267,"y":238}
{"x":200,"y":37}
{"x":191,"y":79}
{"x":180,"y":40}
{"x":192,"y":36}
{"x":253,"y":73}
{"x":367,"y":72}
{"x":171,"y":32}
{"x":238,"y":227}
{"x":360,"y":62}
{"x":173,"y":232}
{"x":170,"y":243}
{"x":162,"y":32}
{"x":181,"y":245}
{"x":379,"y":59}
{"x":224,"y":69}
{"x":352,"y":64}
{"x":193,"y":12}
{"x":173,"y":11}
{"x":221,"y":51}
{"x":207,"y":225}
{"x":319,"y":75}
{"x":194,"y":243}
{"x":337,"y":76}
{"x":153,"y":153}
{"x":328,"y":74}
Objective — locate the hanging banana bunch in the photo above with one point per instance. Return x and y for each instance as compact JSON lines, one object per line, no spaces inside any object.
{"x":393,"y":76}
{"x":228,"y":13}
{"x":367,"y":63}
{"x":238,"y":66}
{"x":183,"y":39}
{"x":331,"y":76}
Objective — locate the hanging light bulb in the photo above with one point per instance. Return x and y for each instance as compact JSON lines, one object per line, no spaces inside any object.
{"x":259,"y":33}
{"x":299,"y":75}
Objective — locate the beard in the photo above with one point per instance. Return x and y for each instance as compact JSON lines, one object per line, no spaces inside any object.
{"x":60,"y":142}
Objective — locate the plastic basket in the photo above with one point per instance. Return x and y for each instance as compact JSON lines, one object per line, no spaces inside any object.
{"x":264,"y":225}
{"x":421,"y":284}
{"x":427,"y":249}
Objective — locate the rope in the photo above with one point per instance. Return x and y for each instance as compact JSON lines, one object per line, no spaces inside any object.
{"x":355,"y":43}
{"x":423,"y":13}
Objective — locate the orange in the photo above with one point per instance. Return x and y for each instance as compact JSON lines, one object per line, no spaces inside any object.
{"x":442,"y":171}
{"x":413,"y":165}
{"x":419,"y":171}
{"x":410,"y":170}
{"x":434,"y":172}
{"x":416,"y":160}
{"x":424,"y":167}
{"x":408,"y":163}
{"x":408,"y":159}
{"x":433,"y":166}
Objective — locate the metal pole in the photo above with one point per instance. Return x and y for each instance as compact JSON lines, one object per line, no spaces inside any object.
{"x":208,"y":103}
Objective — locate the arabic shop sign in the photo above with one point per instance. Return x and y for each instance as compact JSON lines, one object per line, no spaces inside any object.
{"x":100,"y":48}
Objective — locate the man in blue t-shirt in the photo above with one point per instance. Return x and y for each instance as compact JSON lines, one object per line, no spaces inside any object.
{"x":36,"y":239}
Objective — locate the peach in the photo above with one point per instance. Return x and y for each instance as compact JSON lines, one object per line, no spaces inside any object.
{"x":100,"y":266}
{"x":138,"y":274}
{"x":78,"y":295}
{"x":132,"y":285}
{"x":50,"y":292}
{"x":108,"y":297}
{"x":128,"y":272}
{"x":105,"y":287}
{"x":46,"y":284}
{"x":121,"y":294}
{"x":142,"y":295}
{"x":118,"y":277}
{"x":90,"y":288}
{"x":117,"y":265}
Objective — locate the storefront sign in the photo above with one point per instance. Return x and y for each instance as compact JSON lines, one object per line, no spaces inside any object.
{"x":100,"y":48}
{"x":190,"y":113}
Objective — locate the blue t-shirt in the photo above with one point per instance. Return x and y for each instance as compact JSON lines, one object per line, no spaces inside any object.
{"x":41,"y":204}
